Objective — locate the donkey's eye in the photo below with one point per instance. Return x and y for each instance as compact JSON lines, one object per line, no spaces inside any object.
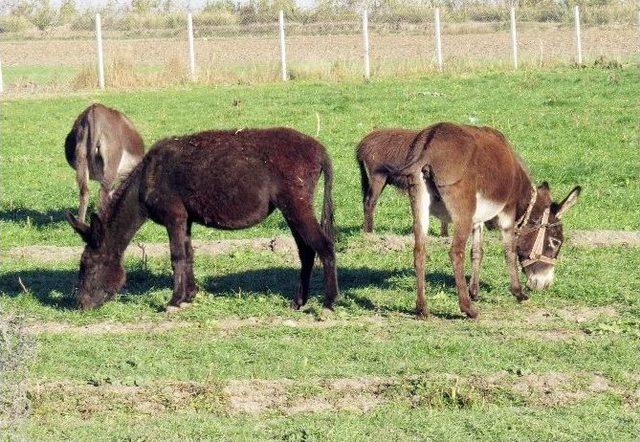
{"x":554,"y":243}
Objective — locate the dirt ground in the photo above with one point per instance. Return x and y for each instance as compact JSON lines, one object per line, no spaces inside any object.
{"x":286,"y":245}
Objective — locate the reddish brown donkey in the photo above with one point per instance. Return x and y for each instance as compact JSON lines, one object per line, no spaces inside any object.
{"x":222,"y":179}
{"x":103,"y":145}
{"x":379,"y":153}
{"x":472,"y":175}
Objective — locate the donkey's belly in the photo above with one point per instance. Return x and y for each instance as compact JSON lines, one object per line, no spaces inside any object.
{"x":486,"y":209}
{"x":231,"y":210}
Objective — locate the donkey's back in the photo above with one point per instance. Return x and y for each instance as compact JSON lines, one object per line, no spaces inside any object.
{"x":102,"y":146}
{"x":233,"y":179}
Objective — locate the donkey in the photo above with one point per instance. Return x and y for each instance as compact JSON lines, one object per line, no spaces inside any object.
{"x":471,"y":175}
{"x":103,"y":145}
{"x":223,"y":179}
{"x":379,"y":153}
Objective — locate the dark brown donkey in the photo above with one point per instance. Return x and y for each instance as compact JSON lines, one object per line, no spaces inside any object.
{"x":103,"y":146}
{"x":472,"y":175}
{"x":379,"y":153}
{"x":222,"y":179}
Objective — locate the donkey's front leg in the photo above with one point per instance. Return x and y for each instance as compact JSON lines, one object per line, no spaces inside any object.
{"x":509,"y":241}
{"x":177,"y":240}
{"x":462,"y":230}
{"x":420,"y":204}
{"x":476,"y":261}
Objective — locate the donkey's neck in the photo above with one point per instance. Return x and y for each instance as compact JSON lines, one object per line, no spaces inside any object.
{"x":524,"y":192}
{"x":124,"y":216}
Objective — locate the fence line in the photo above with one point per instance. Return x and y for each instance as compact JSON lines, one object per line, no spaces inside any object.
{"x":100,"y":52}
{"x":438,"y":38}
{"x":365,"y":41}
{"x":576,"y":11}
{"x":514,"y":38}
{"x":283,"y":54}
{"x":192,"y":56}
{"x":398,"y":46}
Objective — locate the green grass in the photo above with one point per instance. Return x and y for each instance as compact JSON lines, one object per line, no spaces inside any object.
{"x":371,"y":335}
{"x":571,"y":127}
{"x":110,"y":374}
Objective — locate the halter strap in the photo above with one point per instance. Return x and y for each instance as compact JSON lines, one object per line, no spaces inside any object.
{"x":538,"y":246}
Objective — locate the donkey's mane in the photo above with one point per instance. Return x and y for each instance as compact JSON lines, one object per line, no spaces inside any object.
{"x":109,"y":209}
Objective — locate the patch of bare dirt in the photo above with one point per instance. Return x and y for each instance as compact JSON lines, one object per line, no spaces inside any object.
{"x":604,"y":238}
{"x":286,"y":245}
{"x":257,"y":396}
{"x":551,"y":389}
{"x":585,"y":314}
{"x":230,"y":324}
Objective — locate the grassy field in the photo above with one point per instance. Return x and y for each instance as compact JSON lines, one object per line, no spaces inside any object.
{"x":240,"y":365}
{"x":570,"y":126}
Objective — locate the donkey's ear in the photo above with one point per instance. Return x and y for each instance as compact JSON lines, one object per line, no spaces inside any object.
{"x":96,"y":231}
{"x":544,"y":185}
{"x":80,"y":227}
{"x":568,"y":202}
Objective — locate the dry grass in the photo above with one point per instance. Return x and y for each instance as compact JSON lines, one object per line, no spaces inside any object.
{"x":16,"y":351}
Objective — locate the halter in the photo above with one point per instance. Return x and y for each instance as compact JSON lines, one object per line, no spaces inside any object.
{"x":536,"y":251}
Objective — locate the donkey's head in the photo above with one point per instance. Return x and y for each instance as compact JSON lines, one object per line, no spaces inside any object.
{"x":101,"y":273}
{"x":540,"y":236}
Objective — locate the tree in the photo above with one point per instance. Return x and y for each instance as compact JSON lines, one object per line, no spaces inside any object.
{"x":67,"y":10}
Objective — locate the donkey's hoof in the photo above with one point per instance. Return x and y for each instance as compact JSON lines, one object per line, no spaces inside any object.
{"x":294,"y":305}
{"x":473,"y":295}
{"x":522,"y":296}
{"x":471,"y":313}
{"x":422,"y":314}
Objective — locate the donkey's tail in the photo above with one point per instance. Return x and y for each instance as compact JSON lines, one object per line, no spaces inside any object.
{"x":364,"y":179}
{"x":326,"y":220}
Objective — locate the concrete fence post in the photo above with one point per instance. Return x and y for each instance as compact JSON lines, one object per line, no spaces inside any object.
{"x":438,"y":38}
{"x":514,"y":38}
{"x":365,"y":42}
{"x":192,"y":55}
{"x":283,"y":54}
{"x":100,"y":52}
{"x":576,"y":13}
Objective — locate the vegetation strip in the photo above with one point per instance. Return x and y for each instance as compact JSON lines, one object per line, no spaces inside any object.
{"x":286,"y":245}
{"x":257,"y":396}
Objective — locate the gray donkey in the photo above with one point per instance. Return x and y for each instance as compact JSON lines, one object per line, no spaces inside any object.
{"x":103,"y":145}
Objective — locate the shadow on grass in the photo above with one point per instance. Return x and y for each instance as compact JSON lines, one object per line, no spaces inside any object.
{"x":283,"y":282}
{"x":53,"y":288}
{"x":36,"y":218}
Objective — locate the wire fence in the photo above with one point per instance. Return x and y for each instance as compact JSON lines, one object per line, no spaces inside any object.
{"x":160,"y":50}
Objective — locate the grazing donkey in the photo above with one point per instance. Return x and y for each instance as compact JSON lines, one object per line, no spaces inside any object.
{"x":472,"y":175}
{"x":103,"y":146}
{"x":379,"y":153}
{"x":223,"y":179}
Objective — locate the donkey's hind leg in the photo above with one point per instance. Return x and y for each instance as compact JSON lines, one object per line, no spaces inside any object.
{"x":82,"y":178}
{"x":302,"y":220}
{"x":177,"y":230}
{"x":307,"y":255}
{"x":192,"y":286}
{"x":462,"y":230}
{"x":420,"y":206}
{"x":376,"y":186}
{"x":476,"y":260}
